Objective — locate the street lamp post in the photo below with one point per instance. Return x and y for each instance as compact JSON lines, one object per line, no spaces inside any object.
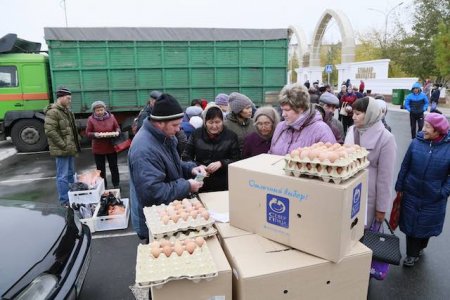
{"x":386,"y":17}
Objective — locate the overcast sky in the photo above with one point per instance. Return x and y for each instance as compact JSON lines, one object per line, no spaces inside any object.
{"x":28,"y":18}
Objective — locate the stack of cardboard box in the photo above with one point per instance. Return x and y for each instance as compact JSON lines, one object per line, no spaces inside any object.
{"x":292,"y":238}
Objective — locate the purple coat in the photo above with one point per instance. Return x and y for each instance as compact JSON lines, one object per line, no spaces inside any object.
{"x":382,"y":154}
{"x":254,"y":145}
{"x":308,"y":129}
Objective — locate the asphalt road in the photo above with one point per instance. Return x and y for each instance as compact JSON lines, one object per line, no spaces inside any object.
{"x":112,"y":270}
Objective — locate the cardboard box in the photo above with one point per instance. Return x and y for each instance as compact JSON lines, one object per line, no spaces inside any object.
{"x":216,"y":288}
{"x":322,"y":219}
{"x":263,"y":269}
{"x":218,"y":202}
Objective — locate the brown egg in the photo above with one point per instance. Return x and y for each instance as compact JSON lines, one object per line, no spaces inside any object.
{"x":154,"y":244}
{"x":304,"y":154}
{"x":171,"y":212}
{"x":193,"y":214}
{"x":186,"y":241}
{"x":165,"y":243}
{"x":178,"y":248}
{"x":176,"y":202}
{"x":295,"y":153}
{"x":324,"y":155}
{"x":165,"y":219}
{"x":333,"y":156}
{"x":190,"y":247}
{"x":178,"y":206}
{"x":313,"y":154}
{"x":155,"y":252}
{"x":201,"y":209}
{"x":205,"y":215}
{"x":188,"y":209}
{"x":184,"y":216}
{"x":328,"y":144}
{"x":175,"y":218}
{"x":199,"y":241}
{"x":167,"y":250}
{"x":198,"y":205}
{"x":186,"y":202}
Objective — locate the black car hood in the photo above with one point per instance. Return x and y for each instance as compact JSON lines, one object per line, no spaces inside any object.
{"x":28,"y":232}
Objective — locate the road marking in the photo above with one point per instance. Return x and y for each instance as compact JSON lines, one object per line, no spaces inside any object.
{"x":104,"y":236}
{"x":29,"y":179}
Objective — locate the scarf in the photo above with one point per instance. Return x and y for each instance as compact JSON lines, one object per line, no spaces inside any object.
{"x":106,"y":116}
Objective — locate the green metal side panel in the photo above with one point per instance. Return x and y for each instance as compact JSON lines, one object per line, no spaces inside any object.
{"x":123,"y":73}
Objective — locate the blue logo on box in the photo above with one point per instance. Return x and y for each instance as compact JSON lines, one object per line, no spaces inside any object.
{"x":356,"y":203}
{"x":277,"y":209}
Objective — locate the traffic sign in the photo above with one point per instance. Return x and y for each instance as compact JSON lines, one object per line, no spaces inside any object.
{"x":328,"y":68}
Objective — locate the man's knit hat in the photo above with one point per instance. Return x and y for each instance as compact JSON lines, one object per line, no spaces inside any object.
{"x":221,"y":99}
{"x":98,"y":104}
{"x":166,"y":108}
{"x":438,"y":121}
{"x":238,"y":102}
{"x":62,"y":91}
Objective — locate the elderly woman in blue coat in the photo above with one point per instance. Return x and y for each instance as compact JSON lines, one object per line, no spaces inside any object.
{"x":424,"y":182}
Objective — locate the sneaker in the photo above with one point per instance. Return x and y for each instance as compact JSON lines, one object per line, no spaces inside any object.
{"x":410,"y":261}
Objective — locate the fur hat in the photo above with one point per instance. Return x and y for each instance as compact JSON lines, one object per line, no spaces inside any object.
{"x":155,"y":94}
{"x":438,"y":121}
{"x":238,"y":102}
{"x":166,"y":108}
{"x":62,"y":91}
{"x":97,"y":104}
{"x":221,"y":99}
{"x":329,"y":98}
{"x":193,"y":111}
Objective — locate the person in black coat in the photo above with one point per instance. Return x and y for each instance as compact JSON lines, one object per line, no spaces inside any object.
{"x":214,"y":146}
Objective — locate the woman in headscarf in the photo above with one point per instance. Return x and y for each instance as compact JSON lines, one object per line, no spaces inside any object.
{"x":214,"y":146}
{"x":266,"y":118}
{"x":99,"y":122}
{"x":424,"y":184}
{"x":369,"y":132}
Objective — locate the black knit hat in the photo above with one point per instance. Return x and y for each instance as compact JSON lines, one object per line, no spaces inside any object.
{"x":166,"y":108}
{"x":62,"y":91}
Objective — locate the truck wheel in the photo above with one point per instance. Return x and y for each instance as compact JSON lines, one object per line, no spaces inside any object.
{"x":28,"y":135}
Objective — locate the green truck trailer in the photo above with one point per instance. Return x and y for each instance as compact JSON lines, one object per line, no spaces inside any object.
{"x":121,"y":65}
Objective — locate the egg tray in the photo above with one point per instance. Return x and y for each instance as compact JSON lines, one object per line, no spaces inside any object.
{"x":328,"y":173}
{"x":360,"y":155}
{"x":158,"y":228}
{"x":188,"y":234}
{"x":154,"y":272}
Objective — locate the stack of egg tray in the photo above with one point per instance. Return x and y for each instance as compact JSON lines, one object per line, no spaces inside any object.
{"x":190,"y":228}
{"x":336,"y":172}
{"x":154,"y":272}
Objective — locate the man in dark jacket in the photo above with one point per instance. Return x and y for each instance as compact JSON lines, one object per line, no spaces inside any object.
{"x":416,"y":103}
{"x":147,"y":110}
{"x":62,"y":136}
{"x":157,"y":175}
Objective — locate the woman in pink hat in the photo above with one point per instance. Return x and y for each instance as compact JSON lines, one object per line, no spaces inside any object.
{"x":424,"y":184}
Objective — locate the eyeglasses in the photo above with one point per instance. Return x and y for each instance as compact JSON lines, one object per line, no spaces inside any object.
{"x":264,"y":124}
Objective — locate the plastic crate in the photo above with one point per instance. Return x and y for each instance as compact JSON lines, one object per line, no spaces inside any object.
{"x":88,"y":196}
{"x":112,"y":222}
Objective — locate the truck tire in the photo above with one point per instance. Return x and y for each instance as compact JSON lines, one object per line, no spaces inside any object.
{"x":28,"y":135}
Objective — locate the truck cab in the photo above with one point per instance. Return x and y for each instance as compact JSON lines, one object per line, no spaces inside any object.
{"x":24,"y":92}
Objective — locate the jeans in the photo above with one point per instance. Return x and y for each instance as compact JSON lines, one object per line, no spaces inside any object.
{"x":100,"y":162}
{"x":413,"y":119}
{"x":65,"y":170}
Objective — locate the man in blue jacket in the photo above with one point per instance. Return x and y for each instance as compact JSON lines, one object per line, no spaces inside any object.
{"x":157,"y":175}
{"x":416,"y":103}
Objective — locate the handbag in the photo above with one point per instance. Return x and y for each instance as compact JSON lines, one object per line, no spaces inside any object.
{"x":385,"y":246}
{"x":395,"y":212}
{"x":121,"y":142}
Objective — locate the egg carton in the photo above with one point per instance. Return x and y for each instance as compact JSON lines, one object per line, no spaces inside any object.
{"x":188,"y":234}
{"x":154,"y":272}
{"x":157,"y":228}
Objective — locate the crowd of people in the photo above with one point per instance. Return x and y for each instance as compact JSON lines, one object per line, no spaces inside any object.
{"x":173,"y":148}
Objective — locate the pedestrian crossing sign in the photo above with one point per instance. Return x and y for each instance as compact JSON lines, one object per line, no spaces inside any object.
{"x":328,"y":68}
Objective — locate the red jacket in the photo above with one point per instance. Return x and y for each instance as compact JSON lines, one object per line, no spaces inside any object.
{"x":106,"y":124}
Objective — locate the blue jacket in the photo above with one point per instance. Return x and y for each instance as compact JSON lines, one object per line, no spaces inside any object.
{"x":416,"y":103}
{"x":157,"y":175}
{"x":425,"y":182}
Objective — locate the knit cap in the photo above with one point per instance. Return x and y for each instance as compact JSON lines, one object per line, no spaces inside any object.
{"x":193,"y":111}
{"x":166,"y":108}
{"x":329,"y":98}
{"x":438,"y":121}
{"x":222,"y":99}
{"x":238,"y":102}
{"x":62,"y":91}
{"x":97,"y":104}
{"x":269,"y":112}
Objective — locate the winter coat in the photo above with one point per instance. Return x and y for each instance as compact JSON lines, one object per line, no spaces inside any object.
{"x":204,"y":150}
{"x":382,"y":153}
{"x":187,"y":128}
{"x":157,"y":175}
{"x":416,"y":103}
{"x":435,"y":94}
{"x":336,"y":127}
{"x":61,"y":131}
{"x":143,"y":115}
{"x":255,"y":144}
{"x":425,"y":182}
{"x":106,"y":124}
{"x":308,"y":129}
{"x":242,"y":129}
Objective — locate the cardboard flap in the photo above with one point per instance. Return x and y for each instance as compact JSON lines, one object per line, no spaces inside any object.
{"x":216,"y":201}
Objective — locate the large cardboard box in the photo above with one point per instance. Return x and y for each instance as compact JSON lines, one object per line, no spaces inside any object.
{"x":322,"y":219}
{"x":263,"y":269}
{"x":218,"y":202}
{"x":216,"y":288}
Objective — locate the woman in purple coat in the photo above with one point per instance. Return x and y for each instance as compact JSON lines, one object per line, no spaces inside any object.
{"x":302,"y":125}
{"x":369,"y":132}
{"x":266,"y":119}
